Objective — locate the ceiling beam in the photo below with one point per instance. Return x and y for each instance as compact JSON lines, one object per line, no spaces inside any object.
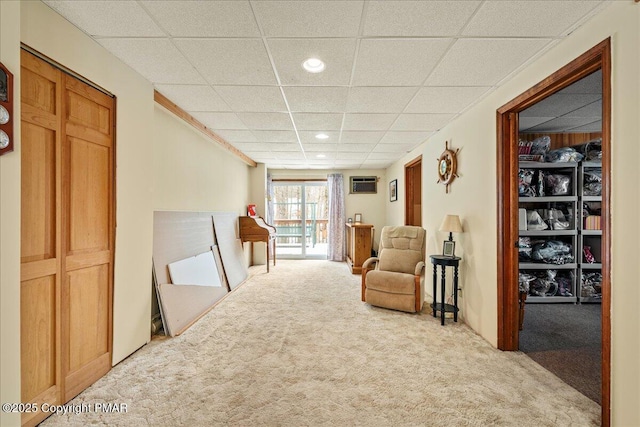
{"x":166,"y":103}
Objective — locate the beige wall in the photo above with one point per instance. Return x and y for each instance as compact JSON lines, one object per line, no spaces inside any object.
{"x":371,"y":206}
{"x":10,"y":225}
{"x":473,"y":195}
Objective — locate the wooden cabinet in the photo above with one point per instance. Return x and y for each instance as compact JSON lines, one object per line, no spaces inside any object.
{"x":359,"y":240}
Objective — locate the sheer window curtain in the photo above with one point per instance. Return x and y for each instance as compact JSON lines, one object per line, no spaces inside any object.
{"x":337,"y":217}
{"x":270,"y":212}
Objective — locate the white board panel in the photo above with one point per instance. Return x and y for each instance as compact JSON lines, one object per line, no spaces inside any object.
{"x":235,"y":268}
{"x":196,"y":270}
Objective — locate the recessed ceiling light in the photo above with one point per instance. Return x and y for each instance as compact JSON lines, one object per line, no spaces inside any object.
{"x":313,"y":65}
{"x":322,"y":136}
{"x":320,"y":156}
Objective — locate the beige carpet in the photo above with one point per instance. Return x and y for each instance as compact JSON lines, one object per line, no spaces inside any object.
{"x":297,"y":347}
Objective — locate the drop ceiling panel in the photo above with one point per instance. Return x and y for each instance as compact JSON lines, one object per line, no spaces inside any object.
{"x":361,"y":137}
{"x":559,"y":104}
{"x":405,"y":137}
{"x":591,"y":127}
{"x":590,"y":110}
{"x":350,"y":156}
{"x":234,"y":136}
{"x":317,"y":121}
{"x":289,"y":155}
{"x":108,"y":18}
{"x":355,"y":148}
{"x":561,"y":124}
{"x":157,"y":60}
{"x":282,"y":146}
{"x":267,"y":121}
{"x":316,"y":99}
{"x":309,"y":137}
{"x":260,"y":156}
{"x":229,"y":61}
{"x":289,"y":54}
{"x":252,"y":98}
{"x":275,"y":135}
{"x":525,"y":123}
{"x":356,"y":121}
{"x":390,"y":157}
{"x":219,"y":120}
{"x":252,"y":146}
{"x":397,"y":62}
{"x":204,"y":18}
{"x":399,"y":149}
{"x":449,"y":99}
{"x":308,"y":18}
{"x":320,"y":147}
{"x":417,"y":18}
{"x":530,"y":18}
{"x":379,"y":99}
{"x":483,"y":62}
{"x":193,"y":97}
{"x":421,"y":122}
{"x":589,"y":84}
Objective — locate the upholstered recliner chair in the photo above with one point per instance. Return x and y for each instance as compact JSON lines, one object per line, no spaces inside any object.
{"x":395,"y":279}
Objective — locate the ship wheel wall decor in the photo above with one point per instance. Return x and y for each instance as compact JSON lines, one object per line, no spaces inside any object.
{"x":447,"y":166}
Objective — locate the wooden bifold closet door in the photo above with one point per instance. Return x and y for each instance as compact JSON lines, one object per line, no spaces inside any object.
{"x":67,"y":234}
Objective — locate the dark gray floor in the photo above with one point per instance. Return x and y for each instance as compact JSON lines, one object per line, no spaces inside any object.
{"x":566,"y":340}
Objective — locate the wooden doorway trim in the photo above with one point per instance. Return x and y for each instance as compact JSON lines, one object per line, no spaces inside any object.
{"x":597,"y":58}
{"x":413,"y":192}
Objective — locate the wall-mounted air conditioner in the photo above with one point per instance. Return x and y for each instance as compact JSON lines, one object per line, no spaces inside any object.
{"x":363,"y":185}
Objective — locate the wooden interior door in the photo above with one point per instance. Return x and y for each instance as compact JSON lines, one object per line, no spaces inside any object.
{"x":67,"y":234}
{"x":413,"y":192}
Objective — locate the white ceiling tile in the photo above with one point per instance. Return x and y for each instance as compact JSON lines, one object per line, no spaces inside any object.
{"x":397,"y":62}
{"x":282,"y":146}
{"x":394,"y":148}
{"x":559,"y":104}
{"x":317,"y":121}
{"x":229,"y":61}
{"x":275,"y":135}
{"x":417,"y":122}
{"x":483,"y":62}
{"x":417,"y":18}
{"x":204,"y":18}
{"x":309,"y":137}
{"x":308,"y":18}
{"x":320,"y":147}
{"x":591,"y":127}
{"x":355,"y":148}
{"x":316,"y":99}
{"x":525,"y":123}
{"x":319,"y":156}
{"x":379,"y":99}
{"x":361,"y":137}
{"x":590,"y":110}
{"x":219,"y":120}
{"x":252,"y":98}
{"x":252,"y":146}
{"x":267,"y":121}
{"x":589,"y":84}
{"x":108,"y":18}
{"x":561,"y":124}
{"x":405,"y":137}
{"x":157,"y":60}
{"x":376,"y":164}
{"x":348,"y":164}
{"x":193,"y":98}
{"x":289,"y":54}
{"x":370,"y":122}
{"x":235,"y":136}
{"x":350,"y":156}
{"x":260,"y":156}
{"x":449,"y":99}
{"x":287,"y":155}
{"x":384,"y":156}
{"x":530,"y":18}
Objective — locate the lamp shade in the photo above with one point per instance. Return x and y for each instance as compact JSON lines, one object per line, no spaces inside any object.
{"x":451,"y":223}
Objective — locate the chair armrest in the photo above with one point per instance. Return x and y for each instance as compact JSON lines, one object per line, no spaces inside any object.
{"x":372,"y":260}
{"x":419,"y":268}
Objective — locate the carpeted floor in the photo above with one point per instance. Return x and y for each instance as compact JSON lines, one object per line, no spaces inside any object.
{"x":566,"y":339}
{"x":297,"y":347}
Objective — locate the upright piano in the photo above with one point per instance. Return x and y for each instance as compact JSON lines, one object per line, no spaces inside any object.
{"x":255,"y":229}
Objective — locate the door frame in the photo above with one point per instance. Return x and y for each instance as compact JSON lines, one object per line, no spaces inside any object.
{"x":410,"y":190}
{"x":596,"y":58}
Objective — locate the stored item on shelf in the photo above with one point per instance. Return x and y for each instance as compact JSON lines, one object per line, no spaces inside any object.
{"x":592,"y":182}
{"x":557,"y":220}
{"x":592,"y":222}
{"x":588,"y":256}
{"x":591,"y":285}
{"x":564,"y":285}
{"x":535,"y":221}
{"x":541,"y":145}
{"x":557,"y":184}
{"x":540,"y":188}
{"x":545,"y":284}
{"x":552,"y":252}
{"x":524,"y":248}
{"x":522,"y":219}
{"x":525,"y":181}
{"x":591,"y":150}
{"x":563,"y":155}
{"x":524,"y":281}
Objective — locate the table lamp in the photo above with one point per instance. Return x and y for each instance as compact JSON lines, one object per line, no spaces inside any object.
{"x":451,"y":223}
